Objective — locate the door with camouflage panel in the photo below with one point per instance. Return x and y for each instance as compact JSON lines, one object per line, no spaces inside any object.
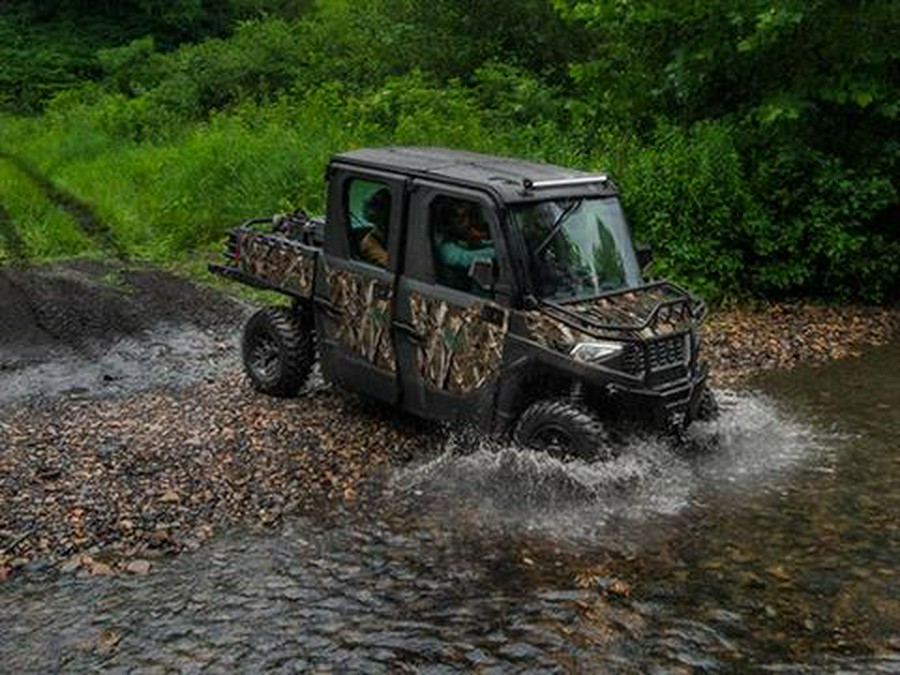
{"x":452,"y":304}
{"x":355,"y":289}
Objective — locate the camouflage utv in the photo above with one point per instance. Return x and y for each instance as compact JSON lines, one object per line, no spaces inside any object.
{"x":460,"y":286}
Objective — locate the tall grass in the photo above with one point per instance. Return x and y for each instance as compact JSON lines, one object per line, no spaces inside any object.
{"x":775,"y":191}
{"x":46,"y":232}
{"x":165,"y":196}
{"x":163,"y":199}
{"x":167,"y":187}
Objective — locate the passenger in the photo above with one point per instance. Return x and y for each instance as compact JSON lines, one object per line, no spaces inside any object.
{"x":377,"y":210}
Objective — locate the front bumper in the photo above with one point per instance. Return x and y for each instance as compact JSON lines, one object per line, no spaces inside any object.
{"x":670,"y":406}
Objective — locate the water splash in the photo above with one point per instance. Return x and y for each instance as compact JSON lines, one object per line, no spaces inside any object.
{"x":492,"y":485}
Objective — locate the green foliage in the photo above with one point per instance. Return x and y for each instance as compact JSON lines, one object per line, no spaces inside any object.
{"x":686,"y":192}
{"x":165,"y":198}
{"x":839,"y":233}
{"x":38,"y":63}
{"x":453,"y":38}
{"x":420,"y":113}
{"x":755,"y":142}
{"x":49,"y":46}
{"x":770,"y":60}
{"x":128,"y":68}
{"x":810,"y":94}
{"x":259,"y":60}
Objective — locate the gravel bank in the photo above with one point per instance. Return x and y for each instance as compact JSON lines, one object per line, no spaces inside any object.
{"x":740,"y":343}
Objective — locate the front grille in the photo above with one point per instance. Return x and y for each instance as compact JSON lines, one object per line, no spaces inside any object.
{"x":634,"y":359}
{"x":659,"y":354}
{"x":666,"y":352}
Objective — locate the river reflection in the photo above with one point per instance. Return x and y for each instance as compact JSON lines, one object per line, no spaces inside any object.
{"x":774,"y":548}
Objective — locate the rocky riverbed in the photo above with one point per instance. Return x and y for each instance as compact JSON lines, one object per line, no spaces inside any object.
{"x":127,"y":431}
{"x":740,"y":343}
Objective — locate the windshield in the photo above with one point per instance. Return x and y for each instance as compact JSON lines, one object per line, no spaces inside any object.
{"x":577,"y":248}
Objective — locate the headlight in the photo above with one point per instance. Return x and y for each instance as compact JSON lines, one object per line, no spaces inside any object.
{"x":599,"y":350}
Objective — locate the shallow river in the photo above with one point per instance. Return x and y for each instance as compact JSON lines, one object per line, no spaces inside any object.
{"x":774,"y":547}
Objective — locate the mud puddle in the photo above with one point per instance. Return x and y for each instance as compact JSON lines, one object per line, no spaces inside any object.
{"x":161,"y":356}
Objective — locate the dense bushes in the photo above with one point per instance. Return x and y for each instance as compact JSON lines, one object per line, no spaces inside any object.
{"x":809,"y":93}
{"x":687,"y":194}
{"x":751,"y":160}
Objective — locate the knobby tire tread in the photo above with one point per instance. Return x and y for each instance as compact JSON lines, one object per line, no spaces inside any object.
{"x":575,"y":417}
{"x":708,"y":408}
{"x":296,"y":350}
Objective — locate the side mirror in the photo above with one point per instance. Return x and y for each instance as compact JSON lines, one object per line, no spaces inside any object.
{"x":481,"y":271}
{"x":644,"y":256}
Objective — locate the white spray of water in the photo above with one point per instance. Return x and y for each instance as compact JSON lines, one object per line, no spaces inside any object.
{"x":752,"y":445}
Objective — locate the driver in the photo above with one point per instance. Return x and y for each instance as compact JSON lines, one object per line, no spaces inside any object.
{"x":468,"y":240}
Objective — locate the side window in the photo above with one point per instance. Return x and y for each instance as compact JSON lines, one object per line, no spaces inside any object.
{"x":459,"y":235}
{"x":368,"y":209}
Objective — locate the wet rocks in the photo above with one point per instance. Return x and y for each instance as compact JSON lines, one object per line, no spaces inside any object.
{"x":138,"y":567}
{"x":160,"y":471}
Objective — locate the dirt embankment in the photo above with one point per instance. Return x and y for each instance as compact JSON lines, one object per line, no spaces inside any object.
{"x":127,"y":430}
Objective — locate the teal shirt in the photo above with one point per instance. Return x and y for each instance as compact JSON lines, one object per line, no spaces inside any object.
{"x":455,"y":261}
{"x":455,"y":255}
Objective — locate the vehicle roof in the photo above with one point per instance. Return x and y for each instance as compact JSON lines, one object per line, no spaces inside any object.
{"x":504,"y":176}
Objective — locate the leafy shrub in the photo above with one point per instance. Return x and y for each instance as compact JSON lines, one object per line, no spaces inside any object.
{"x":837,"y":233}
{"x":687,"y":193}
{"x":751,"y":163}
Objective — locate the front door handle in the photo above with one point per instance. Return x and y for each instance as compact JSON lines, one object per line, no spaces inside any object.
{"x":493,"y":314}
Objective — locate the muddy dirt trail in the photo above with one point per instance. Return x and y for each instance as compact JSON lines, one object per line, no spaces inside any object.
{"x":91,"y":329}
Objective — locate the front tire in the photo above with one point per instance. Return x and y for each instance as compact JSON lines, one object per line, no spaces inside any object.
{"x":278,"y":350}
{"x":707,"y":406}
{"x":564,"y":429}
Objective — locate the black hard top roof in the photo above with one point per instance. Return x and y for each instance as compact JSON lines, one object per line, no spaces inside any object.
{"x":504,"y":176}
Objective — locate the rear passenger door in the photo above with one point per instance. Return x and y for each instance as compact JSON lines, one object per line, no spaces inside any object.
{"x":355,"y":287}
{"x":451,"y":331}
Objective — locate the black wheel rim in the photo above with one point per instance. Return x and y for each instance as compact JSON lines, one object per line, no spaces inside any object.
{"x":264,"y":358}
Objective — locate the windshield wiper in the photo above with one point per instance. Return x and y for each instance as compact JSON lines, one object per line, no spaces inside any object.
{"x":557,"y":225}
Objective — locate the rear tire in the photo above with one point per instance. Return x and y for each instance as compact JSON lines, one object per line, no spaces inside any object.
{"x":564,"y":429}
{"x":278,"y":350}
